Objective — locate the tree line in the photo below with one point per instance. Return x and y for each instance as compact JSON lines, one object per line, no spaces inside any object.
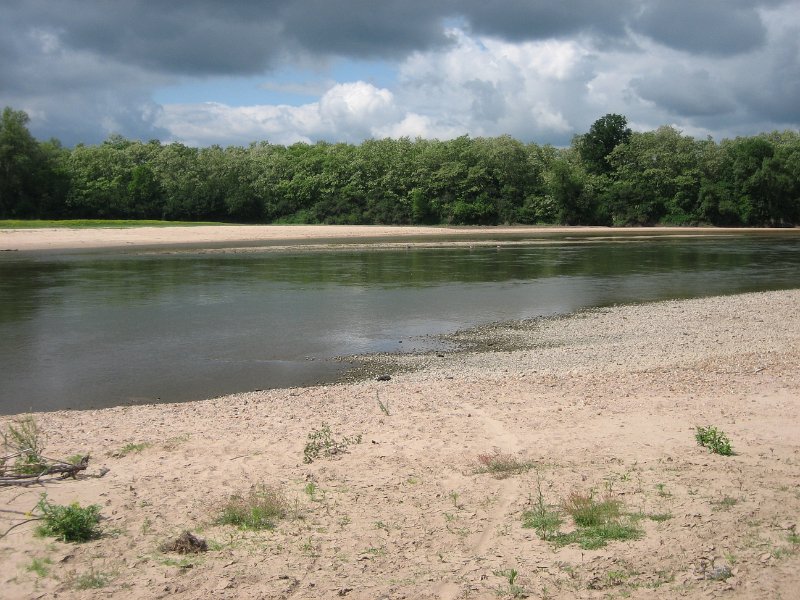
{"x":608,"y":176}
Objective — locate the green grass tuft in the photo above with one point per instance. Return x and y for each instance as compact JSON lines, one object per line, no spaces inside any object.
{"x":502,"y":465}
{"x":131,"y":448}
{"x":40,"y":566}
{"x":597,"y":536}
{"x":597,"y":522}
{"x":544,"y":519}
{"x":92,"y":580}
{"x":260,"y":508}
{"x":586,"y":511}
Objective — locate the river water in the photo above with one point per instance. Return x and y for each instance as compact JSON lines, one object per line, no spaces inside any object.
{"x":108,"y":328}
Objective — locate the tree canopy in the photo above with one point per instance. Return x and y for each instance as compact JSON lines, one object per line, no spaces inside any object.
{"x":609,"y":175}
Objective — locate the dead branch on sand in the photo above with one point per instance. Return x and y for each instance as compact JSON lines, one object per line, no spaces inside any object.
{"x":24,"y":474}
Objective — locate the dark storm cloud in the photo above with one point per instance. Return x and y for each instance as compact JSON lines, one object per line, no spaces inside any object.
{"x":86,"y":68}
{"x":210,"y":37}
{"x":683,"y":92}
{"x":171,"y":37}
{"x":519,"y":20}
{"x":717,"y":27}
{"x":364,"y":28}
{"x":246,"y":37}
{"x":772,"y":89}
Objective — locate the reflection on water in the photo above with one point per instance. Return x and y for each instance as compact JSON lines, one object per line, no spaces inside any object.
{"x":103,"y":330}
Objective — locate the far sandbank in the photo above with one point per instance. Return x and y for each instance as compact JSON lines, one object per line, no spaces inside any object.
{"x":233,"y":236}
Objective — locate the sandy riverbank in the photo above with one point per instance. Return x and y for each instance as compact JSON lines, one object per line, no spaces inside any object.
{"x":606,"y":400}
{"x":232,"y":236}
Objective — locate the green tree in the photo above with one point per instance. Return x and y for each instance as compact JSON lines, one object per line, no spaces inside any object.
{"x":656,"y":178}
{"x":605,"y":134}
{"x":32,"y":184}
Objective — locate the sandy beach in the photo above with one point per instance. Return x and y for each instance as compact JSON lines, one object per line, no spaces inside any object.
{"x":603,"y":403}
{"x":233,"y":236}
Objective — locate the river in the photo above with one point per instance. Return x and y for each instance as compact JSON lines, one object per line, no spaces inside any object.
{"x":81,"y":330}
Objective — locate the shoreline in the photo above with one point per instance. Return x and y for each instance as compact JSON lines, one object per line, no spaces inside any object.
{"x":265,"y":236}
{"x":603,"y":401}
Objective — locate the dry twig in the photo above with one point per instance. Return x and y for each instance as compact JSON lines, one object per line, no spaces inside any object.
{"x":12,"y":475}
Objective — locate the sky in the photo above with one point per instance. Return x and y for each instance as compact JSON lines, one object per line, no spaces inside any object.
{"x":231,"y":72}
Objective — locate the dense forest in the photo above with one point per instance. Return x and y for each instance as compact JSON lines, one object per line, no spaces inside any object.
{"x":608,"y":176}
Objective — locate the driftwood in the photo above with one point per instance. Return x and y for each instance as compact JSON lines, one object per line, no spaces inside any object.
{"x":45,"y":468}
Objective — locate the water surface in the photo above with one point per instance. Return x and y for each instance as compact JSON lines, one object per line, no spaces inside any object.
{"x":105,"y":329}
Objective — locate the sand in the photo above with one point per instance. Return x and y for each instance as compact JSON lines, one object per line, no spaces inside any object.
{"x":603,"y":402}
{"x":233,"y":236}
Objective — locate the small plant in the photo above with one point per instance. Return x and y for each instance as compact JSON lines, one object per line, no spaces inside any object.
{"x":597,"y":536}
{"x":454,"y":497}
{"x":173,"y":442}
{"x":510,"y":574}
{"x":147,"y":525}
{"x":617,"y":577}
{"x":384,"y":407}
{"x":40,"y":566}
{"x":311,"y":490}
{"x":659,"y":517}
{"x":715,"y":440}
{"x":545,"y":521}
{"x":310,"y":549}
{"x":725,"y":503}
{"x":71,"y":523}
{"x":91,"y":580}
{"x":322,"y":443}
{"x":131,"y":449}
{"x":586,"y":511}
{"x":23,"y":441}
{"x":513,"y":590}
{"x":501,"y":465}
{"x":260,"y":508}
{"x":597,"y":522}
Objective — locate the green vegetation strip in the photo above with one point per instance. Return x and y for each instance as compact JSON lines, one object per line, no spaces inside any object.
{"x":610,"y":175}
{"x":95,"y":223}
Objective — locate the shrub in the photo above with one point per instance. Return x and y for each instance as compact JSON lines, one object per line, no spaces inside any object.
{"x":322,"y":443}
{"x":260,"y":508}
{"x":72,"y":523}
{"x":596,"y":521}
{"x":715,"y":440}
{"x":502,"y":465}
{"x":588,"y":512}
{"x":23,"y":438}
{"x":90,"y":581}
{"x":542,"y":518}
